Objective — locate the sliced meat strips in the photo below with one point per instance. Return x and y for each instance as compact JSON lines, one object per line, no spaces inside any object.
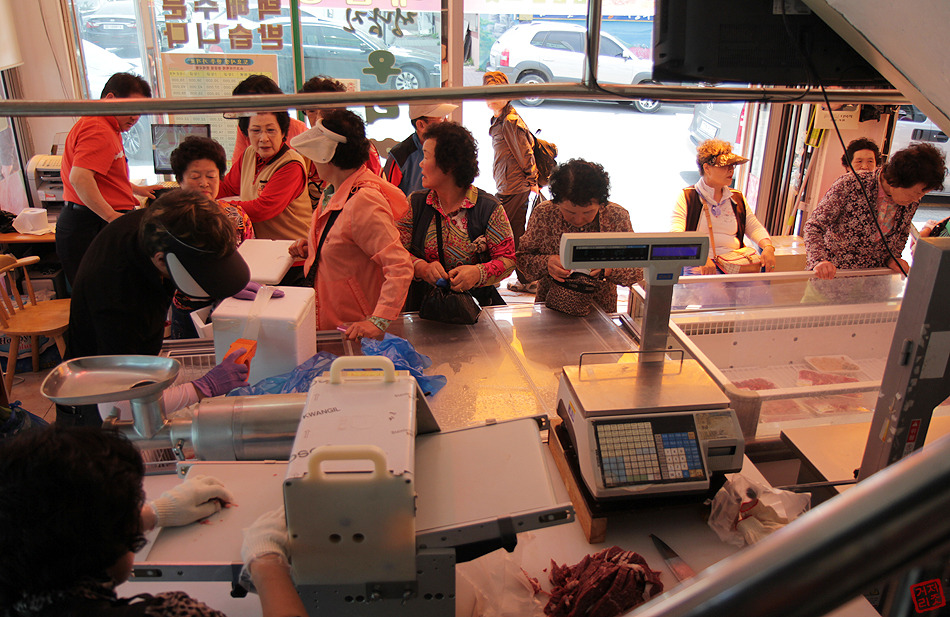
{"x":606,"y":584}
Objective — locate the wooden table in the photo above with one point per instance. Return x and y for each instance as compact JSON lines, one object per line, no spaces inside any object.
{"x":16,"y":238}
{"x":834,"y":451}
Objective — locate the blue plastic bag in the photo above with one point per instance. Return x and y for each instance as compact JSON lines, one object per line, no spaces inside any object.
{"x":405,"y":357}
{"x":297,"y":380}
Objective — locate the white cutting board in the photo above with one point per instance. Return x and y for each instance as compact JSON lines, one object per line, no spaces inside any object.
{"x":269,"y":260}
{"x":257,"y":488}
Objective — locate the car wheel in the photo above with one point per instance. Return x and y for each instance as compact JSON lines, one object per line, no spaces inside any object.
{"x":134,"y":142}
{"x":532,"y":78}
{"x":410,"y":79}
{"x":647,"y":106}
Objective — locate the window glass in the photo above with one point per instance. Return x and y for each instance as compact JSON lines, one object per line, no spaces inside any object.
{"x":12,"y":188}
{"x":206,"y":47}
{"x":647,"y":147}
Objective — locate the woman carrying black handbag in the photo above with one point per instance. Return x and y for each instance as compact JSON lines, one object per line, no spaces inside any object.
{"x":454,"y":230}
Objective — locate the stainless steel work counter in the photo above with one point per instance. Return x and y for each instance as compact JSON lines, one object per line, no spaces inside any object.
{"x":508,"y":364}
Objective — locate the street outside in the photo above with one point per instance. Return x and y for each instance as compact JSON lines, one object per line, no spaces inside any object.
{"x":649,"y":156}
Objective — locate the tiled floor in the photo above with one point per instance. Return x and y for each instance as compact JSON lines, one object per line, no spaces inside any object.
{"x":26,"y":389}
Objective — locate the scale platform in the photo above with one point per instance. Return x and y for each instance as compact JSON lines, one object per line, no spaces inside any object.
{"x":642,"y":387}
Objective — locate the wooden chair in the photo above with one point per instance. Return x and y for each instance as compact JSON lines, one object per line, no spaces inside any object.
{"x":33,"y":319}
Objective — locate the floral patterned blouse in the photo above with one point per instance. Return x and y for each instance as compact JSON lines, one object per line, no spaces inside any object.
{"x":458,"y":248}
{"x":93,"y":594}
{"x":542,"y":239}
{"x":842,"y":230}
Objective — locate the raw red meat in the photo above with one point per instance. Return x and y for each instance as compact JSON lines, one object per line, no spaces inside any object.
{"x":606,"y":584}
{"x":823,"y":379}
{"x":756,"y":383}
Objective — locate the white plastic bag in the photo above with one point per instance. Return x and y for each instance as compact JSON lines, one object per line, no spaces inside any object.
{"x":495,"y":585}
{"x":744,"y":512}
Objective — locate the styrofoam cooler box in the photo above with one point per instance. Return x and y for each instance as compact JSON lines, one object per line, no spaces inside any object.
{"x":287,"y":334}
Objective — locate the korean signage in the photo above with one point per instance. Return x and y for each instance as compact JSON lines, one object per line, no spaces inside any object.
{"x":264,"y":25}
{"x":211,"y":22}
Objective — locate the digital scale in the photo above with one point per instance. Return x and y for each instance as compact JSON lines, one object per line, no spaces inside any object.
{"x":651,"y":423}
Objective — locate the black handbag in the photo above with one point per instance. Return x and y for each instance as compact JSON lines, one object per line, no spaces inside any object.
{"x":447,"y":306}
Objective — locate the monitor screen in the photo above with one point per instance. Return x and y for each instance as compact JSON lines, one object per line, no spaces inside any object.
{"x":166,"y":137}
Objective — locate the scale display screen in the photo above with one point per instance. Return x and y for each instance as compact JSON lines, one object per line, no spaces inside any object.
{"x":624,"y":252}
{"x":655,"y":450}
{"x":675,"y":251}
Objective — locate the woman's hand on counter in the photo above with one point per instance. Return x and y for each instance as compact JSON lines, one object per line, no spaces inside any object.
{"x":463,"y":278}
{"x":825,"y":270}
{"x":299,"y":249}
{"x":768,"y":257}
{"x":362,"y":329}
{"x":556,"y":270}
{"x":709,"y":268}
{"x":430,"y":271}
{"x":893,"y":265}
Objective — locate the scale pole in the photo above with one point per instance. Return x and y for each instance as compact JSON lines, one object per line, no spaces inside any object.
{"x":656,"y":322}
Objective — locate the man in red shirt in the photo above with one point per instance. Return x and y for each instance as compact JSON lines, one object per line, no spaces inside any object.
{"x":95,"y":173}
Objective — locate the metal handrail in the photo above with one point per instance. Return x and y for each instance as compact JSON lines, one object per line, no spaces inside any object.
{"x":23,"y":108}
{"x":892,"y":520}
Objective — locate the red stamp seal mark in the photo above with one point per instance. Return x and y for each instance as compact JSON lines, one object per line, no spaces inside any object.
{"x":928,"y":595}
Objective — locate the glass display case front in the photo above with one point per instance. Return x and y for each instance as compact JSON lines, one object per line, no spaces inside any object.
{"x":787,"y":349}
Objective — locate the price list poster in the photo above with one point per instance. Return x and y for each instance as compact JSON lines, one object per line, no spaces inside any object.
{"x":216,"y":75}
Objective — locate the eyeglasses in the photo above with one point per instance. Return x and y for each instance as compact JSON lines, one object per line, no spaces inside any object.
{"x":255,"y":132}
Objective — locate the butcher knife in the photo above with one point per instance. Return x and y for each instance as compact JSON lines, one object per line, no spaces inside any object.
{"x":680,"y":568}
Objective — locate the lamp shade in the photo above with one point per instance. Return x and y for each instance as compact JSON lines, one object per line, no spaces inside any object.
{"x":9,"y":45}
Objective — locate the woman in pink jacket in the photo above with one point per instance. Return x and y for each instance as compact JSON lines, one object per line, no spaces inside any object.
{"x":360,"y":269}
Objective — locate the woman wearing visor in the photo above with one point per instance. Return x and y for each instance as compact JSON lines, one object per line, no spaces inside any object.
{"x":126,"y":280}
{"x":359,"y":267}
{"x":712,"y":205}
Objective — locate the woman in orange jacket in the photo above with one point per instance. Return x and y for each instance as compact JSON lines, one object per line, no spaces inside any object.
{"x":360,"y":269}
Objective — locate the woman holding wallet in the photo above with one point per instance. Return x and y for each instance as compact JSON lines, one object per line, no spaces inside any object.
{"x":454,"y":230}
{"x":711,"y":204}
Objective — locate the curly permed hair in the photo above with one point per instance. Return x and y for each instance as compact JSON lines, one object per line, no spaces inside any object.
{"x":197,"y":148}
{"x":862,"y":143}
{"x":456,"y":152}
{"x":192,"y":218}
{"x":918,"y":163}
{"x":580,"y":182}
{"x":70,"y":507}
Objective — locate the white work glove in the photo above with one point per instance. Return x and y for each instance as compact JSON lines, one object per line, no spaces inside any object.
{"x":266,"y":536}
{"x":193,"y":499}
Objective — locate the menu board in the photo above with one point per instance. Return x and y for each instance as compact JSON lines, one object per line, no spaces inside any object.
{"x":188,"y":75}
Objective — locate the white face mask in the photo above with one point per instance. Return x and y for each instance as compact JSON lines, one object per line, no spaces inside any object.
{"x":182,"y":279}
{"x":318,"y":144}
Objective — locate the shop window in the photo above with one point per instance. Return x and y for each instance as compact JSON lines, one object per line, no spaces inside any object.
{"x":206,"y":47}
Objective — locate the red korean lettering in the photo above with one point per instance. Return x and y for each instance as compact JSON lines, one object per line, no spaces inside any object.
{"x":240,"y":37}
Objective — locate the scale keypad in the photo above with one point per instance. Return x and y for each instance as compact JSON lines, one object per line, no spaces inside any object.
{"x":652,"y":451}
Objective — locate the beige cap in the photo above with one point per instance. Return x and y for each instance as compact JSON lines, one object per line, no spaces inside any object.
{"x":718,"y":153}
{"x":430,"y":110}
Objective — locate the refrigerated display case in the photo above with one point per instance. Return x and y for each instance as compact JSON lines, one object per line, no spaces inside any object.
{"x":787,"y":349}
